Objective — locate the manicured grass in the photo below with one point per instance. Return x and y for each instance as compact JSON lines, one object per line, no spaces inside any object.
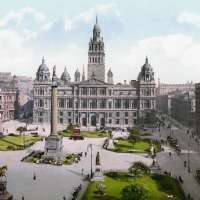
{"x":142,"y":145}
{"x":84,"y":134}
{"x":69,"y":159}
{"x":145,"y":134}
{"x":114,"y":186}
{"x":16,"y":141}
{"x":36,"y":157}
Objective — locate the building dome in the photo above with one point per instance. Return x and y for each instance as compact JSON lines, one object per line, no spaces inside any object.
{"x":77,"y":73}
{"x":146,"y":66}
{"x":43,"y":66}
{"x":96,"y":27}
{"x":65,"y":76}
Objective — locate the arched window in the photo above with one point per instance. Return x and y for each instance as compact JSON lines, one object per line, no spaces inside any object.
{"x":41,"y":92}
{"x":102,"y":103}
{"x":61,"y":103}
{"x":95,"y":59}
{"x":92,"y":59}
{"x":69,"y":105}
{"x":126,"y":103}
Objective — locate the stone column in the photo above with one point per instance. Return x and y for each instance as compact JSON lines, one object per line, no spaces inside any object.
{"x":54,"y":104}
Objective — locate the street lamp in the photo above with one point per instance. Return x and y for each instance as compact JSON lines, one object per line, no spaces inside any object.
{"x":189,"y":156}
{"x":90,"y":146}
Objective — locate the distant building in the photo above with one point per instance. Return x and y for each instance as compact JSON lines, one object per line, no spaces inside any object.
{"x":197,"y":111}
{"x":165,"y":88}
{"x":183,"y":108}
{"x":92,"y":102}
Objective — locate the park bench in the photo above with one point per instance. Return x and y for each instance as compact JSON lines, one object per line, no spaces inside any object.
{"x":134,"y":151}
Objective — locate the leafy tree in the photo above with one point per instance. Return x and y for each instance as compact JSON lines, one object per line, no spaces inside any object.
{"x":21,"y":129}
{"x":134,"y":132}
{"x":133,"y":138}
{"x":70,"y":127}
{"x":137,"y":169}
{"x":135,"y":192}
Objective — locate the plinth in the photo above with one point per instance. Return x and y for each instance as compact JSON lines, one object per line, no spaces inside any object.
{"x":98,"y":175}
{"x":154,"y":167}
{"x":110,"y":144}
{"x":4,"y":194}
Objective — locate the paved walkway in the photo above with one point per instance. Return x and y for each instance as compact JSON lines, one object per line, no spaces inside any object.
{"x":52,"y":182}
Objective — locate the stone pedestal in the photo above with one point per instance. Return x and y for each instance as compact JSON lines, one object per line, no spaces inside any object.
{"x":53,"y":147}
{"x":98,"y":174}
{"x":110,"y":144}
{"x":4,"y":194}
{"x":154,"y":167}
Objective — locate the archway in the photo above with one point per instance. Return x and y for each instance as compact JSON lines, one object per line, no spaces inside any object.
{"x":102,"y":121}
{"x":93,"y":120}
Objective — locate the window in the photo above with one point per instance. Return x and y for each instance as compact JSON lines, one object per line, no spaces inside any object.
{"x":40,"y":120}
{"x":126,"y":121}
{"x":69,"y":121}
{"x":69,"y":114}
{"x":126,"y":103}
{"x":0,"y":106}
{"x":117,"y":121}
{"x":102,"y":104}
{"x":135,"y":121}
{"x":93,"y":91}
{"x":134,"y":103}
{"x":109,"y":105}
{"x":110,"y":114}
{"x":70,"y":103}
{"x":41,"y":104}
{"x":110,"y":121}
{"x":61,"y":103}
{"x":109,"y":92}
{"x":117,"y":114}
{"x":135,"y":114}
{"x":85,"y":91}
{"x":118,"y":103}
{"x":84,"y":103}
{"x":40,"y":113}
{"x":126,"y":114}
{"x":93,"y":104}
{"x":0,"y":97}
{"x":61,"y":113}
{"x":61,"y":120}
{"x":41,"y":92}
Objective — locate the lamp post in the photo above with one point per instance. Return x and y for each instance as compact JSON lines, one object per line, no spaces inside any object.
{"x":189,"y":156}
{"x":90,"y":146}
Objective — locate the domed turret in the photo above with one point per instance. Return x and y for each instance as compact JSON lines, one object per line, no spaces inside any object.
{"x":65,"y":76}
{"x":146,"y":73}
{"x":43,"y":66}
{"x":43,"y":73}
{"x":96,"y":30}
{"x":77,"y":76}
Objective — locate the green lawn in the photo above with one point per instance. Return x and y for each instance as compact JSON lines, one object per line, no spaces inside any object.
{"x":16,"y":141}
{"x":157,"y":188}
{"x":84,"y":134}
{"x":142,"y":145}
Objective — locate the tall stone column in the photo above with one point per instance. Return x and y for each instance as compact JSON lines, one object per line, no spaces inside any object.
{"x":54,"y":114}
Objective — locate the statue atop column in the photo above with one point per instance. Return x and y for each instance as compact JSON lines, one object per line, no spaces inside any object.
{"x":54,"y":70}
{"x":97,"y":159}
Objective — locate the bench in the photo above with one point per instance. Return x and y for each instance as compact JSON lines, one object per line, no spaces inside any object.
{"x":134,"y":151}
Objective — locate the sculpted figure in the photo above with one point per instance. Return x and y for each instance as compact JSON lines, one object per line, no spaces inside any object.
{"x":54,"y":70}
{"x":97,"y":159}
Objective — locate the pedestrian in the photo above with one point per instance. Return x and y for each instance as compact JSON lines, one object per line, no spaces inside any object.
{"x":190,"y":136}
{"x":185,"y":163}
{"x":34,"y":176}
{"x":64,"y":198}
{"x":85,"y":154}
{"x":166,"y":141}
{"x":22,"y":197}
{"x":3,"y":129}
{"x":170,"y":154}
{"x":82,"y":170}
{"x":189,"y":197}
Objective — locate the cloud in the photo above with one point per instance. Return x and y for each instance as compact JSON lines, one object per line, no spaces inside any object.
{"x":29,"y":34}
{"x":173,"y":58}
{"x":190,"y":18}
{"x":38,"y":16}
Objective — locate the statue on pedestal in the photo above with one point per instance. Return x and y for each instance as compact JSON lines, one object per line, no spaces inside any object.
{"x":3,"y":171}
{"x":154,"y":152}
{"x":54,"y":70}
{"x":97,"y":159}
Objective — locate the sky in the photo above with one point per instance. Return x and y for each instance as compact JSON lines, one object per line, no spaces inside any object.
{"x":166,"y":31}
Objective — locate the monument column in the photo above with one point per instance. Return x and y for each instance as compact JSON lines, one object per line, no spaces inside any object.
{"x":54,"y":114}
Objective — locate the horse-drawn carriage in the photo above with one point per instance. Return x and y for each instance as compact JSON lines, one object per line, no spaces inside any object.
{"x":197,"y":175}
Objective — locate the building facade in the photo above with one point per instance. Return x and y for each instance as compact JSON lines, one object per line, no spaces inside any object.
{"x":92,"y":101}
{"x":197,"y":110}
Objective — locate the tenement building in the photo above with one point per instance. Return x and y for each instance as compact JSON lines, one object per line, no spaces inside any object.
{"x":95,"y":101}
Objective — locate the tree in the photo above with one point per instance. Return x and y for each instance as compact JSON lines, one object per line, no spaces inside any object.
{"x":135,"y":192}
{"x":137,"y":169}
{"x":21,"y":129}
{"x":134,"y":136}
{"x":70,"y":127}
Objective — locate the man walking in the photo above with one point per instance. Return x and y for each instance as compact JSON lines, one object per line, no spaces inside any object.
{"x":82,"y":170}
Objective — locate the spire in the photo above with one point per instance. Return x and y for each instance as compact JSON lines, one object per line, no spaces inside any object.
{"x":43,"y":61}
{"x":83,"y":76}
{"x":96,"y":19}
{"x":146,"y":59}
{"x":65,"y":68}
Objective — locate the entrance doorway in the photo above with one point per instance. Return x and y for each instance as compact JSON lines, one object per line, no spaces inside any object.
{"x":102,"y":121}
{"x":93,"y":120}
{"x":83,"y":121}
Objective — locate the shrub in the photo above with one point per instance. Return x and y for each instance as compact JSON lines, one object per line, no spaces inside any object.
{"x":157,"y":177}
{"x":119,"y":149}
{"x":167,"y":186}
{"x":10,"y":147}
{"x":11,"y":134}
{"x":112,"y":174}
{"x":120,"y":138}
{"x":100,"y":134}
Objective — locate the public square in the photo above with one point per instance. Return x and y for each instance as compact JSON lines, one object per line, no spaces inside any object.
{"x":53,"y":182}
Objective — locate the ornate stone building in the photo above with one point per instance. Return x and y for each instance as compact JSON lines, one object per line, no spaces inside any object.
{"x":92,"y":101}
